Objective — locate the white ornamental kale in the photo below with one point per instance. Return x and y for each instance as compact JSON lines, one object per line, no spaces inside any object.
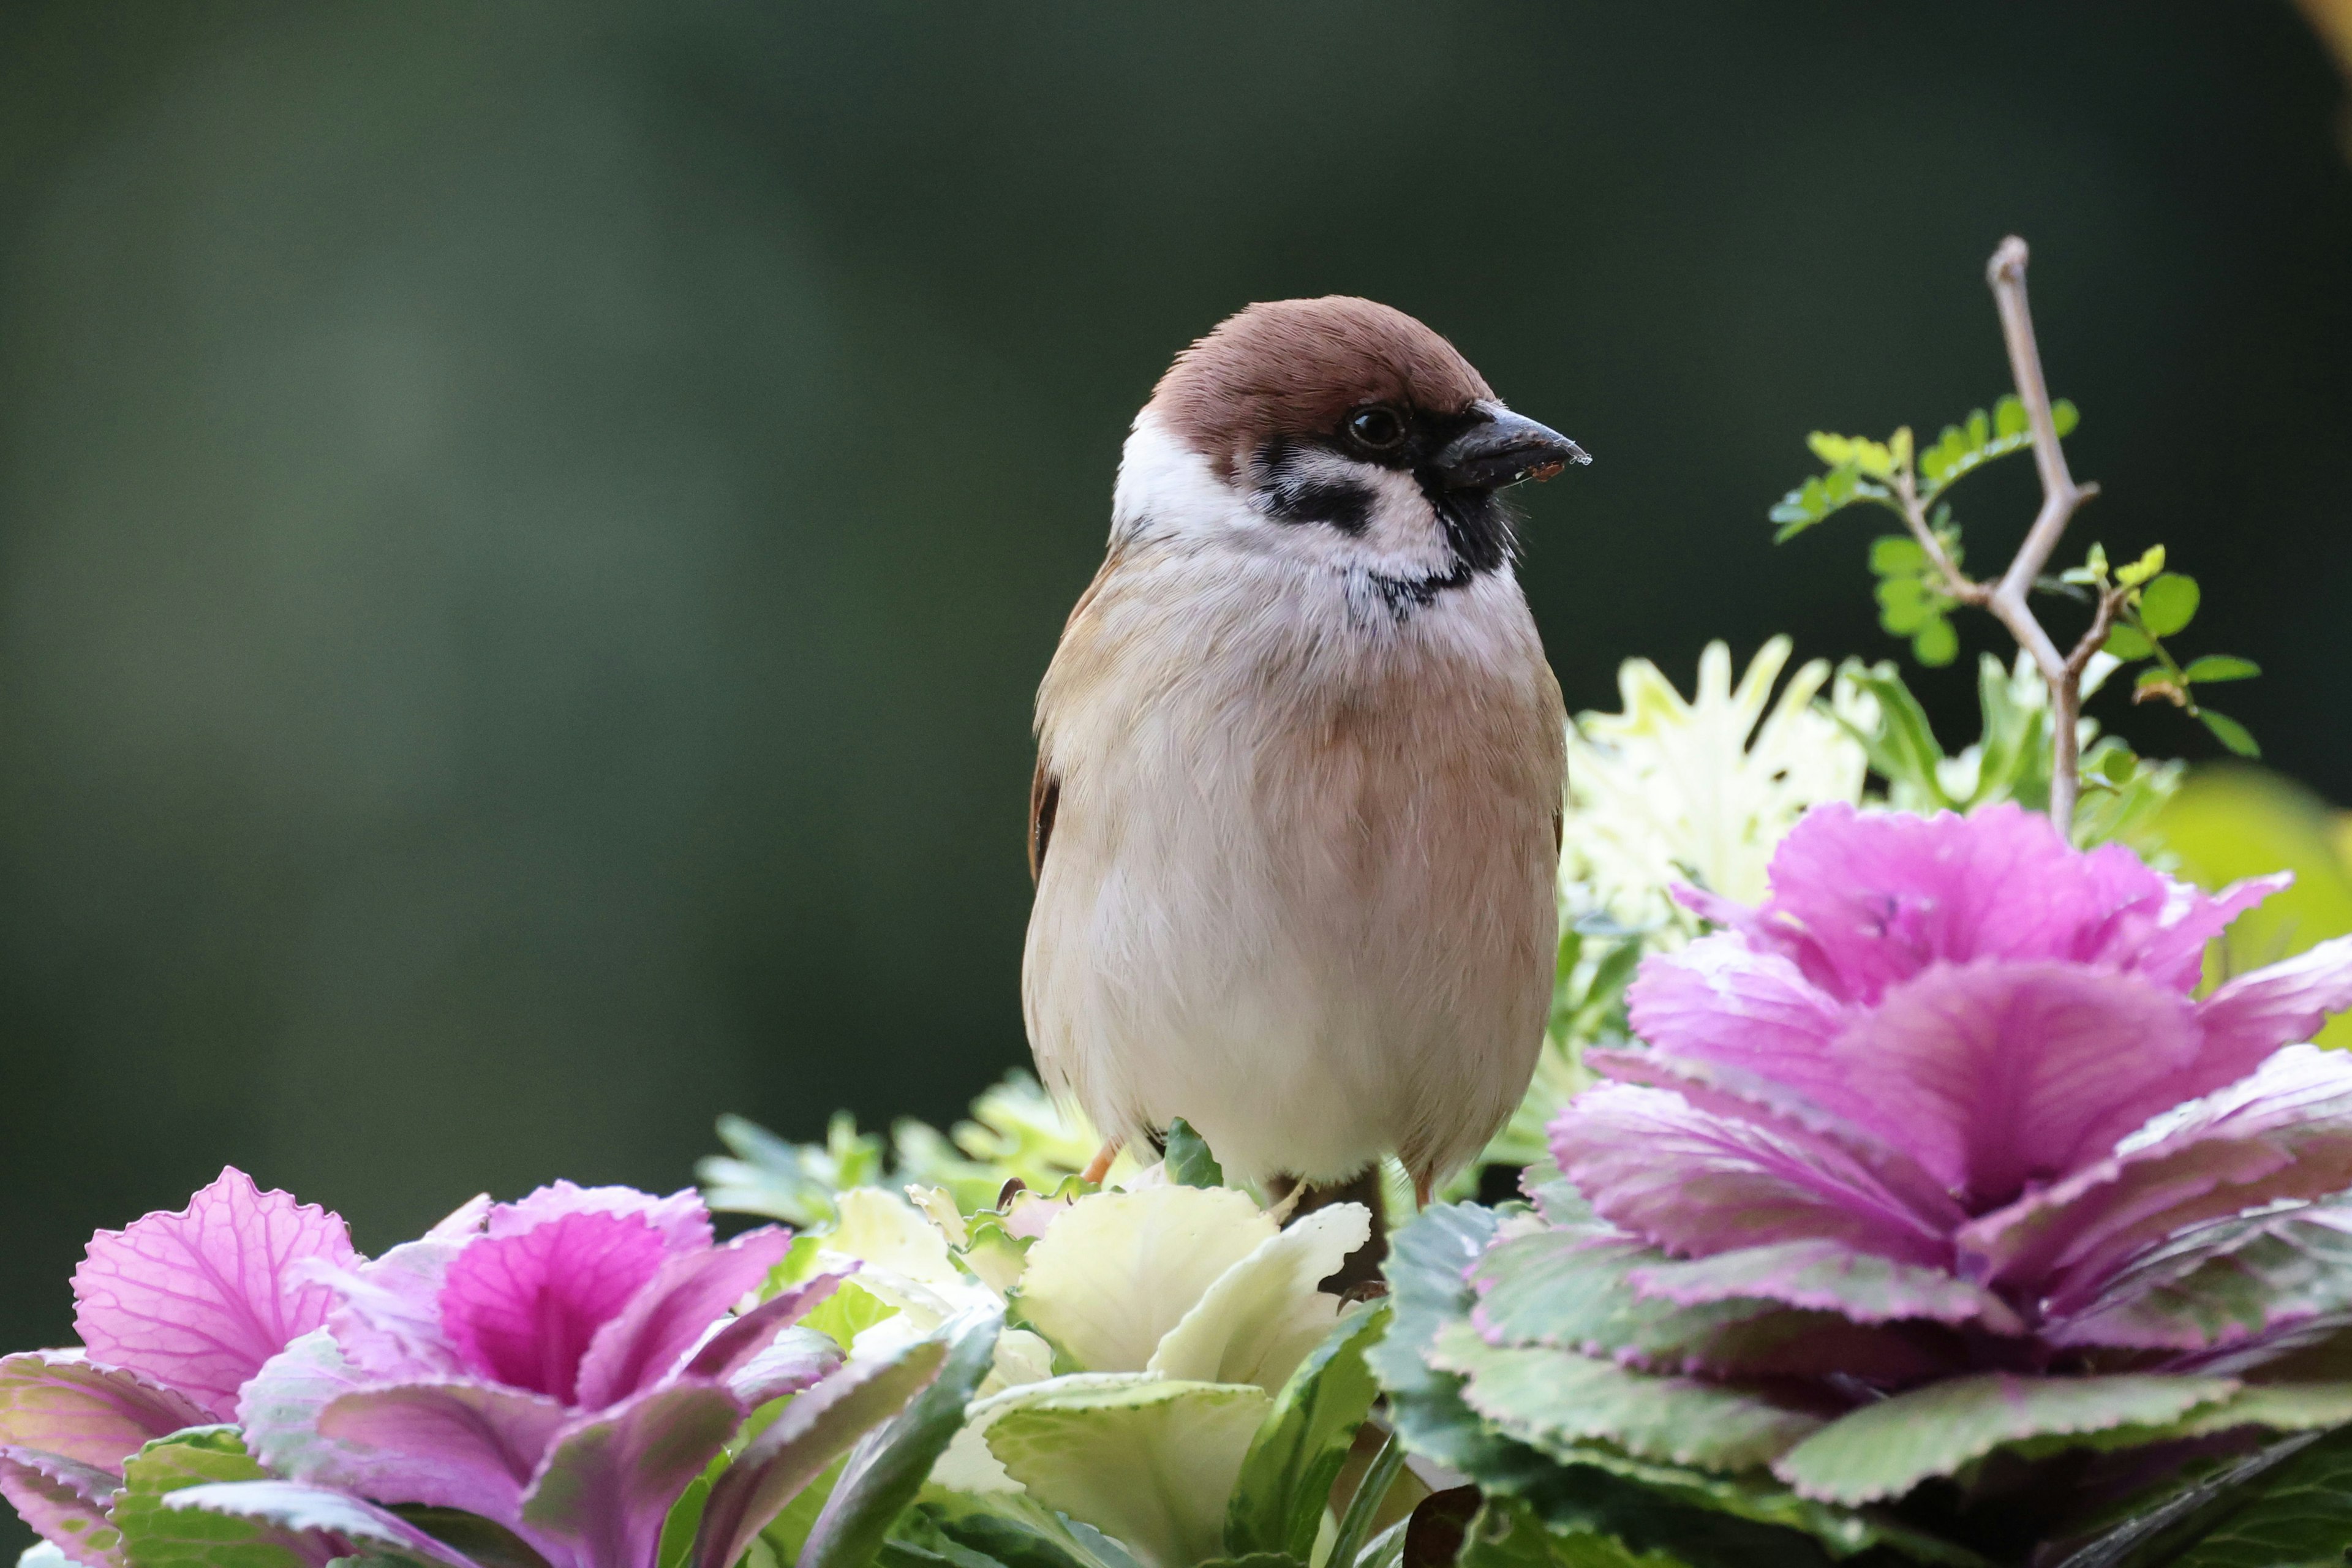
{"x":1700,"y":791}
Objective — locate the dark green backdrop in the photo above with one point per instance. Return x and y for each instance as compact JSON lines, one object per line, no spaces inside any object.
{"x":526,"y":533}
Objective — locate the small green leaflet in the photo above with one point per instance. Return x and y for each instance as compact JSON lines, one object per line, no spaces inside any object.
{"x":2230,"y":733}
{"x":2169,"y":604}
{"x":2222,"y":667}
{"x":1190,"y":1162}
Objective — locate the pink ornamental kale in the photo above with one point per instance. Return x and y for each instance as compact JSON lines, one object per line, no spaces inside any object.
{"x":176,"y":1313}
{"x":1940,"y":1139}
{"x":1928,"y":1046}
{"x":564,"y":1365}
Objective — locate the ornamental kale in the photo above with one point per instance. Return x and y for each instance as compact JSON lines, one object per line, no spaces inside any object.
{"x":556,"y":1382}
{"x":1933,"y":1156}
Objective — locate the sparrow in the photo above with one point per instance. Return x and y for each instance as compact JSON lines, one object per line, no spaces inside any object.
{"x":1295,"y":823}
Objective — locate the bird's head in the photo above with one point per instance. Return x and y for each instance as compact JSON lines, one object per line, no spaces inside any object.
{"x":1335,"y":430}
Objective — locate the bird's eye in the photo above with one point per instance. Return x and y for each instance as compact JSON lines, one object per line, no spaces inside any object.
{"x":1378,"y":426}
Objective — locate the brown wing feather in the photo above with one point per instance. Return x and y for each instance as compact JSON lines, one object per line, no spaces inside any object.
{"x":1045,"y":796}
{"x":1045,"y":789}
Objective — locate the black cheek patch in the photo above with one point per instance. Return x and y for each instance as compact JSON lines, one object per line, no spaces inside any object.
{"x":1287,"y":496}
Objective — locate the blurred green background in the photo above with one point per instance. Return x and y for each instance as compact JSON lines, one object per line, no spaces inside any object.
{"x":528,"y":532}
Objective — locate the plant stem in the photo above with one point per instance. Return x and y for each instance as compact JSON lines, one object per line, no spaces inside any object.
{"x":2060,"y":496}
{"x":2005,"y":599}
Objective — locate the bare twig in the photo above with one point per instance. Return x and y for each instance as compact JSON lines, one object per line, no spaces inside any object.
{"x":1915,"y":517}
{"x":2060,"y":496}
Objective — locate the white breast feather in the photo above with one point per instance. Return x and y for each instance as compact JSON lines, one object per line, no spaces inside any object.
{"x":1300,"y":889}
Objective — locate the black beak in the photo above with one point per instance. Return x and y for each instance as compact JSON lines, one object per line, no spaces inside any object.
{"x":1501,"y":450}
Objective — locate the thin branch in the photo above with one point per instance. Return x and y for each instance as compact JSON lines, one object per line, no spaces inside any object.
{"x":2060,"y":496}
{"x":2103,"y":621}
{"x":1965,"y":589}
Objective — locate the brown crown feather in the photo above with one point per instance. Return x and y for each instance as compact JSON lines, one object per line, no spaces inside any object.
{"x":1296,"y":367}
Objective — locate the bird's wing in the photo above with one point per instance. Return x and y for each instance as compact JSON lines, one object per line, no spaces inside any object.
{"x":1045,"y":787}
{"x":1045,"y":796}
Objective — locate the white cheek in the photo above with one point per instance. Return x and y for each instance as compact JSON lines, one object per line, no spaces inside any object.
{"x":1166,"y":491}
{"x":1404,"y":526}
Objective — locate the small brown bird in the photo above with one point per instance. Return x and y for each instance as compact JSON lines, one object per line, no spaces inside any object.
{"x":1296,"y":819}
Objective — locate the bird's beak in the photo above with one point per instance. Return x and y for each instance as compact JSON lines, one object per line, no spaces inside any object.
{"x":1502,"y":449}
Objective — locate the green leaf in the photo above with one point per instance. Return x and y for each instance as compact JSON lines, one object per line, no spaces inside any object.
{"x":2064,"y":416}
{"x":2141,"y":570}
{"x":791,"y":1182}
{"x":848,"y":1312}
{"x":1834,"y":451}
{"x":1882,"y":1450}
{"x":1554,"y":1397}
{"x":1904,"y":606}
{"x":685,"y":1517}
{"x":1147,"y":1461}
{"x":1016,"y":1530}
{"x":1190,"y":1163}
{"x":2168,"y":604}
{"x":1904,"y":748}
{"x":309,"y":1520}
{"x":2230,"y":733}
{"x":814,"y":1430}
{"x":2125,"y":643}
{"x":2287,"y":1507}
{"x":2222,"y":667}
{"x":155,"y":1536}
{"x":1425,"y":1265}
{"x":1299,"y":1449}
{"x":1373,"y":1489}
{"x":887,"y":1467}
{"x":1508,"y":1534}
{"x":1897,"y":555}
{"x":1936,"y":644}
{"x":2009,"y":415}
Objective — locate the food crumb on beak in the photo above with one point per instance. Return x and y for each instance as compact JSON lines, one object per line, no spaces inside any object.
{"x":1543,"y":471}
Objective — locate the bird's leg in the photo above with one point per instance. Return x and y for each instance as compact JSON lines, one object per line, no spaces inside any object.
{"x":1424,"y":1184}
{"x":1099,"y":1166}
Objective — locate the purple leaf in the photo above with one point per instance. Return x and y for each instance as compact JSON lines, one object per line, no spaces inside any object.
{"x":1695,"y":1183}
{"x":1558,"y":1290}
{"x":2285,"y":1132}
{"x":523,"y":1308}
{"x":729,"y":1351}
{"x":671,"y":1313}
{"x":65,"y":1501}
{"x":321,"y":1524}
{"x":2248,"y":1017}
{"x":452,"y":1443}
{"x":1862,"y":900}
{"x":1721,"y":1002}
{"x":1994,"y":1075}
{"x":600,"y":1495}
{"x":198,"y":1299}
{"x":57,"y":1402}
{"x":2238,"y":1283}
{"x":796,"y":1359}
{"x":682,"y":1219}
{"x":387,"y":1316}
{"x":816,"y":1429}
{"x":1743,"y":1096}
